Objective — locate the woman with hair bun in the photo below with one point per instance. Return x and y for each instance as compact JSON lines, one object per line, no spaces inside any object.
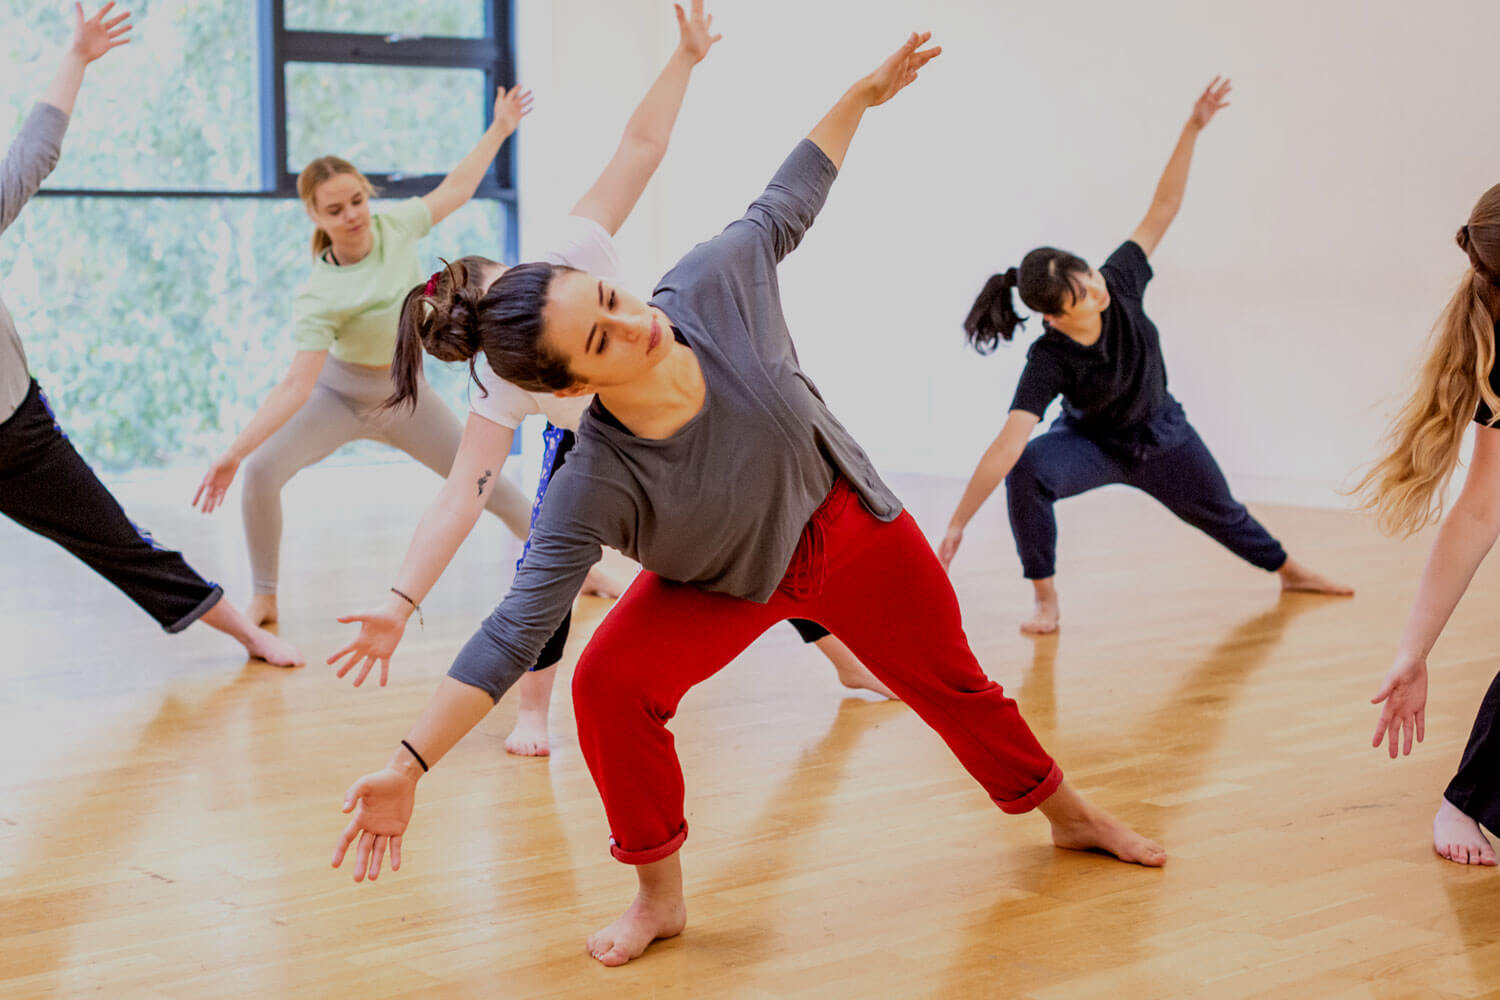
{"x":1459,"y":385}
{"x":344,"y":325}
{"x":1100,"y":352}
{"x":442,"y":317}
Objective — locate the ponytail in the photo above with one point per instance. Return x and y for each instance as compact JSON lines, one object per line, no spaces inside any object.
{"x":442,"y":318}
{"x":992,"y":318}
{"x":1049,"y":280}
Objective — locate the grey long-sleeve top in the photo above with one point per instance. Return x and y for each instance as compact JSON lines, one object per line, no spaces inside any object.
{"x":720,"y":504}
{"x":29,"y":160}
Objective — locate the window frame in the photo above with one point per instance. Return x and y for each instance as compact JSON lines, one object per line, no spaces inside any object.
{"x":277,"y":47}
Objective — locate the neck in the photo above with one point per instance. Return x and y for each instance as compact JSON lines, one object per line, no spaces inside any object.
{"x":1084,"y":331}
{"x":355,"y":251}
{"x":660,"y":402}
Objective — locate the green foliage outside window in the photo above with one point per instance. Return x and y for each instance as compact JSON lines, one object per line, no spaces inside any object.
{"x":157,"y":325}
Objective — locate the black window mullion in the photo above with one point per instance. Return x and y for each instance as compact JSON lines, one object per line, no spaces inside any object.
{"x":269,"y":16}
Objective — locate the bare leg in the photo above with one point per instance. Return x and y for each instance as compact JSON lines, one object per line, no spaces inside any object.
{"x":529,"y":737}
{"x":259,"y":643}
{"x":1458,"y":838}
{"x":601,"y":583}
{"x":658,"y":911}
{"x":262,"y":609}
{"x":1078,"y":826}
{"x":1045,"y":618}
{"x":1295,"y":576}
{"x":852,"y":673}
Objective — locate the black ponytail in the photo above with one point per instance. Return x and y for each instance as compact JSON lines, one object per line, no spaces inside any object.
{"x":993,"y":317}
{"x":1050,"y":281}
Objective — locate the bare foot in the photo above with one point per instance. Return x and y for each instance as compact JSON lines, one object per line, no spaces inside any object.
{"x":1078,"y":826}
{"x":646,"y":920}
{"x":1044,"y":620}
{"x":272,"y":648}
{"x":600,"y":584}
{"x":1295,"y":576}
{"x":852,"y":673}
{"x":529,"y":737}
{"x":262,"y":610}
{"x":1459,"y":839}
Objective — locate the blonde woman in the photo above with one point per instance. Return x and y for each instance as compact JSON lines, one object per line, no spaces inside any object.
{"x":1406,"y":489}
{"x":344,"y":326}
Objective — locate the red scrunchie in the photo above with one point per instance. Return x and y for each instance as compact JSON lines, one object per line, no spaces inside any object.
{"x":432,"y":283}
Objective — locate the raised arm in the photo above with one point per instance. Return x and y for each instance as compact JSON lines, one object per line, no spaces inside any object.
{"x":1465,"y":538}
{"x":614,"y":195}
{"x":35,"y":151}
{"x":443,"y":528}
{"x":833,"y":134}
{"x":1168,"y":197}
{"x":459,"y":186}
{"x":999,"y":458}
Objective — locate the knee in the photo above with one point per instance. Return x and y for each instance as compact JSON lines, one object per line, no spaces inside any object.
{"x":260,"y":476}
{"x":1026,"y":475}
{"x":611,"y":686}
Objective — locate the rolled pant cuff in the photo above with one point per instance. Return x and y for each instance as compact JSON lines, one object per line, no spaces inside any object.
{"x":1036,"y":796}
{"x":652,"y":853}
{"x":203,"y":608}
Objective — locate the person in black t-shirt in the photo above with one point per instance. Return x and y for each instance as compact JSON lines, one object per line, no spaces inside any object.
{"x":1406,"y":490}
{"x":1101,"y":353}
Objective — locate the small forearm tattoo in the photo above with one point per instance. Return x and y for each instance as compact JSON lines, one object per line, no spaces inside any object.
{"x":482,"y":480}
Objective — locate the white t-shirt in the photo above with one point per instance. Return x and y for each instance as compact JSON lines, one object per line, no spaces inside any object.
{"x":586,"y":245}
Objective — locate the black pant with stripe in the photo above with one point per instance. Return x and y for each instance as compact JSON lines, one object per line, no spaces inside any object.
{"x":47,"y":487}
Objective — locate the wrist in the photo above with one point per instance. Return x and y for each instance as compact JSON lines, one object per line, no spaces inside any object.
{"x":404,"y":764}
{"x":685,"y":56}
{"x":398,"y":606}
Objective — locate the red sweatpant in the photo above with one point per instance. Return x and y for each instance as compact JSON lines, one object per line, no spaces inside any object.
{"x":875,"y":585}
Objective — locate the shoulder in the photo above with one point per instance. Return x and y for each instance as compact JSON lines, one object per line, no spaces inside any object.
{"x":1127,"y":270}
{"x":409,"y":218}
{"x":501,"y":402}
{"x":582,"y":243}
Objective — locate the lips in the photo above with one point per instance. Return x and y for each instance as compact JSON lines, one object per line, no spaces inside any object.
{"x":655,"y":336}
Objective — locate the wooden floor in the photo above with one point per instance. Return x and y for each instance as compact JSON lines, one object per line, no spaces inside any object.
{"x":167,"y":811}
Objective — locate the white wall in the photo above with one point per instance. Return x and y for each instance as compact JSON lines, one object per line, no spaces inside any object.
{"x":1311,"y":256}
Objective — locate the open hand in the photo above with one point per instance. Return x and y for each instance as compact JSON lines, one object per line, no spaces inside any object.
{"x":1213,"y":99}
{"x":382,"y":803}
{"x":380,"y":633}
{"x":897,"y":72}
{"x":511,"y":106}
{"x":1405,"y":713}
{"x":693,"y":31}
{"x":100,"y":33}
{"x":215,"y":485}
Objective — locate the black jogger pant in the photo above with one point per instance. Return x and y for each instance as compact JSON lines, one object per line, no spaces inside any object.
{"x":1475,"y":789}
{"x":46,"y":486}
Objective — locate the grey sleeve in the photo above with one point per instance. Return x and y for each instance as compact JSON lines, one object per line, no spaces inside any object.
{"x":31,"y":157}
{"x":786,"y":209}
{"x":565,"y":543}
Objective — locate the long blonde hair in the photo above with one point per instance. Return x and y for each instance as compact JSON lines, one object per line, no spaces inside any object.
{"x":1407,"y":488}
{"x":315,"y":173}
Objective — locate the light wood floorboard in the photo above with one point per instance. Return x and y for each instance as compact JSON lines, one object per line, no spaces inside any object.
{"x":167,"y":811}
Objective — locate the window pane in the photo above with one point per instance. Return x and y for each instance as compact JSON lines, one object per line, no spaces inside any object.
{"x":383,"y":119}
{"x":176,"y":108}
{"x":439,"y":18}
{"x":157,"y":326}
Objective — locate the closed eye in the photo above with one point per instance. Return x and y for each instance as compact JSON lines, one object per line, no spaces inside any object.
{"x":603,"y":339}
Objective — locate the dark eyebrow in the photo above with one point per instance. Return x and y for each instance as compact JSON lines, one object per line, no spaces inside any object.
{"x":588,"y":345}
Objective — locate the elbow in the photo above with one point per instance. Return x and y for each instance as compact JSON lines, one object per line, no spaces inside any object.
{"x":645,"y":145}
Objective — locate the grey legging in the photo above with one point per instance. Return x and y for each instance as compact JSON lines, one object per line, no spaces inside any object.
{"x":342,"y":409}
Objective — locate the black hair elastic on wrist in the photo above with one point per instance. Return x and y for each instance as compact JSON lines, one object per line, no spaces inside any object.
{"x":413,"y":751}
{"x":415,"y":607}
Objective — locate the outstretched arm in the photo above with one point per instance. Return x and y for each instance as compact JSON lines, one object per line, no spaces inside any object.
{"x":1465,"y":538}
{"x":91,"y":39}
{"x":448,"y":521}
{"x":999,"y":458}
{"x":1168,"y":197}
{"x":614,"y":195}
{"x":833,"y":134}
{"x":459,"y":186}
